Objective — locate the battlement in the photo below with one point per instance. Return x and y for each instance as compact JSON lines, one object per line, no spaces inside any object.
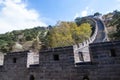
{"x":66,"y":54}
{"x":105,"y":44}
{"x":17,"y":53}
{"x":58,"y":64}
{"x":57,"y":49}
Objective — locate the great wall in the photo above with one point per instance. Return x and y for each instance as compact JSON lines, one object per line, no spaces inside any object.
{"x":94,"y":59}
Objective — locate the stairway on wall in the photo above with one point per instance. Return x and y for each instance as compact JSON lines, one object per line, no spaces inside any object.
{"x":82,"y":54}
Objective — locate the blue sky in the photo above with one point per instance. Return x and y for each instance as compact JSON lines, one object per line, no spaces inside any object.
{"x":22,"y":14}
{"x":69,"y":9}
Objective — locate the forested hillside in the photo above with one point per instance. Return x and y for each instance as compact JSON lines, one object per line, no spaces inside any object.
{"x":9,"y":39}
{"x":112,"y":21}
{"x":62,"y":34}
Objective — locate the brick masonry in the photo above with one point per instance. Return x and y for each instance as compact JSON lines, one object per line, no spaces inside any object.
{"x":58,"y":64}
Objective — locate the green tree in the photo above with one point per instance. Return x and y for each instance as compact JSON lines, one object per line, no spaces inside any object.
{"x":82,"y":20}
{"x":68,"y":33}
{"x":78,"y":21}
{"x":97,"y":14}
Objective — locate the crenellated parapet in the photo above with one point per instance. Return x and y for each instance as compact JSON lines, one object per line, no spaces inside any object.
{"x":58,"y":64}
{"x":79,"y":48}
{"x":89,"y":40}
{"x":22,"y":59}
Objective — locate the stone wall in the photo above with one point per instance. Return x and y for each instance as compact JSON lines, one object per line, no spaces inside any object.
{"x":107,"y":57}
{"x":14,"y":67}
{"x":58,"y":64}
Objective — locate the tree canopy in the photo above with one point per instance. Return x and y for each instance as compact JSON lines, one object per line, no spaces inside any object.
{"x":97,"y":14}
{"x":68,"y":33}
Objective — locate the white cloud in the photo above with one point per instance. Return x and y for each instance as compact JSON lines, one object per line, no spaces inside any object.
{"x":82,"y":13}
{"x":14,"y":15}
{"x":118,"y":0}
{"x":85,"y":12}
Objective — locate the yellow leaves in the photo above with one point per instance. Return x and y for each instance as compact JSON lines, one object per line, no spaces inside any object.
{"x":85,"y":27}
{"x":68,"y":33}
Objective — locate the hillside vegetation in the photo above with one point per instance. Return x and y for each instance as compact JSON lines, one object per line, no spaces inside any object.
{"x":62,"y":34}
{"x":113,"y":25}
{"x":68,"y":33}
